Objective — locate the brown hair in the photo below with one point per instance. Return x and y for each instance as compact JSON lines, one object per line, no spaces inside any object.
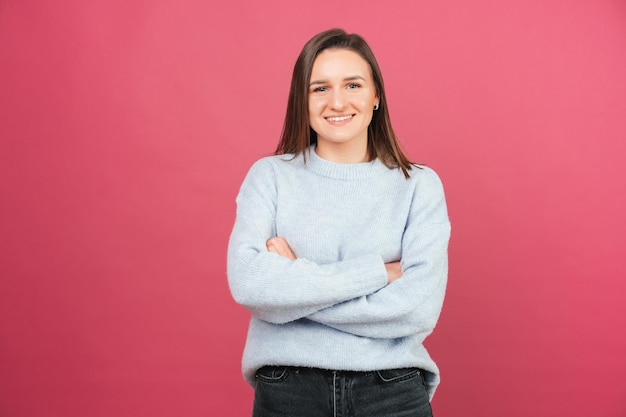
{"x":297,"y":134}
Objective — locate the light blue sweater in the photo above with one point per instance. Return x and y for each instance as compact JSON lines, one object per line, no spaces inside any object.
{"x":332,"y":307}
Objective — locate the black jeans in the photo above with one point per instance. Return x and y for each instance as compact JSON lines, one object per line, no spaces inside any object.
{"x":306,"y":392}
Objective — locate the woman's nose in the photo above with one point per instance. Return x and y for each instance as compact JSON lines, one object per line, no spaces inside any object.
{"x":337,"y":99}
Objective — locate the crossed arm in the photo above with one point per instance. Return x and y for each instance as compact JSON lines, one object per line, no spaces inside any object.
{"x":409,"y":304}
{"x":279,"y":246}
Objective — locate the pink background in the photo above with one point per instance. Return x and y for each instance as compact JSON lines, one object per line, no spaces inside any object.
{"x":127,"y":127}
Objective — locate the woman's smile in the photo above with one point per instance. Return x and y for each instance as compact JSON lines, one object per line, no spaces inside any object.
{"x":337,"y":119}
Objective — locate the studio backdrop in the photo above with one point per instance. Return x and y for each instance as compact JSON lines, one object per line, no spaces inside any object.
{"x":126,"y":128}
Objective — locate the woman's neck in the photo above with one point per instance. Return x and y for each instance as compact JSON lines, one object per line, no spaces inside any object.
{"x":344,"y":153}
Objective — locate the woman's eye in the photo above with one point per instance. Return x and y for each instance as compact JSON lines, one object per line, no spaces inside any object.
{"x":319,"y":89}
{"x":353,"y":85}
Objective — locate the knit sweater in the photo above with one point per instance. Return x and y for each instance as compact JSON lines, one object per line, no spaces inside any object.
{"x":332,"y":308}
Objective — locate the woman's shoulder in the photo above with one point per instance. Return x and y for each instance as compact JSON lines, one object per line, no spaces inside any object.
{"x":276,"y":161}
{"x":271,"y":164}
{"x":425,"y":178}
{"x":423,"y":173}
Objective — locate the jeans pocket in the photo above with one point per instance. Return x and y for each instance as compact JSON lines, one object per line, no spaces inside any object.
{"x":272,"y":373}
{"x":396,"y":375}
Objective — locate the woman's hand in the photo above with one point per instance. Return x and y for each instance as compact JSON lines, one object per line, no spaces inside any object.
{"x":394,"y":271}
{"x":280,"y":246}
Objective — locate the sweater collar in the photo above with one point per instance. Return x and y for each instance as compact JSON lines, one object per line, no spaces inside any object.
{"x":341,"y":171}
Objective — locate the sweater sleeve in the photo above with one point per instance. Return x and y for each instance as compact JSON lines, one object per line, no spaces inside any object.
{"x":274,"y":288}
{"x":412,"y":304}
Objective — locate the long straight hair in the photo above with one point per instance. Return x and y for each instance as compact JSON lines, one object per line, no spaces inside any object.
{"x":297,"y":135}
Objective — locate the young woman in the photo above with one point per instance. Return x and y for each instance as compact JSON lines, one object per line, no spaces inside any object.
{"x":339,"y":250}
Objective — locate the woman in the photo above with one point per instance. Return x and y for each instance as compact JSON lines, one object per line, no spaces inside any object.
{"x":339,"y":250}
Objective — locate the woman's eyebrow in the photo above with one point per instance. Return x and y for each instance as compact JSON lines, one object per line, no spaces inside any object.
{"x":354,"y":77}
{"x":351,"y":78}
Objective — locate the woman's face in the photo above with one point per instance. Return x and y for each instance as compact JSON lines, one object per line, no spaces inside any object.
{"x":342,"y":96}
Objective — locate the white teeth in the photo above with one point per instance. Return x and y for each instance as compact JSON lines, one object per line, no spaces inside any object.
{"x":339,"y":118}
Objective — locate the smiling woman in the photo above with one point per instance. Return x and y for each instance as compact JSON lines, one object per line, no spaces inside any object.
{"x":339,"y":250}
{"x":342,"y":99}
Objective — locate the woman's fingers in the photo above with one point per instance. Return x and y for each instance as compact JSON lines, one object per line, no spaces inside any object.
{"x":394,"y":271}
{"x":280,"y":246}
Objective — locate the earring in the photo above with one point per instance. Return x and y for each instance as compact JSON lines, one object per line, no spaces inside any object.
{"x":376,"y":106}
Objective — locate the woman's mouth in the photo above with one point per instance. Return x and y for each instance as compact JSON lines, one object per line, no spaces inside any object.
{"x":339,"y":118}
